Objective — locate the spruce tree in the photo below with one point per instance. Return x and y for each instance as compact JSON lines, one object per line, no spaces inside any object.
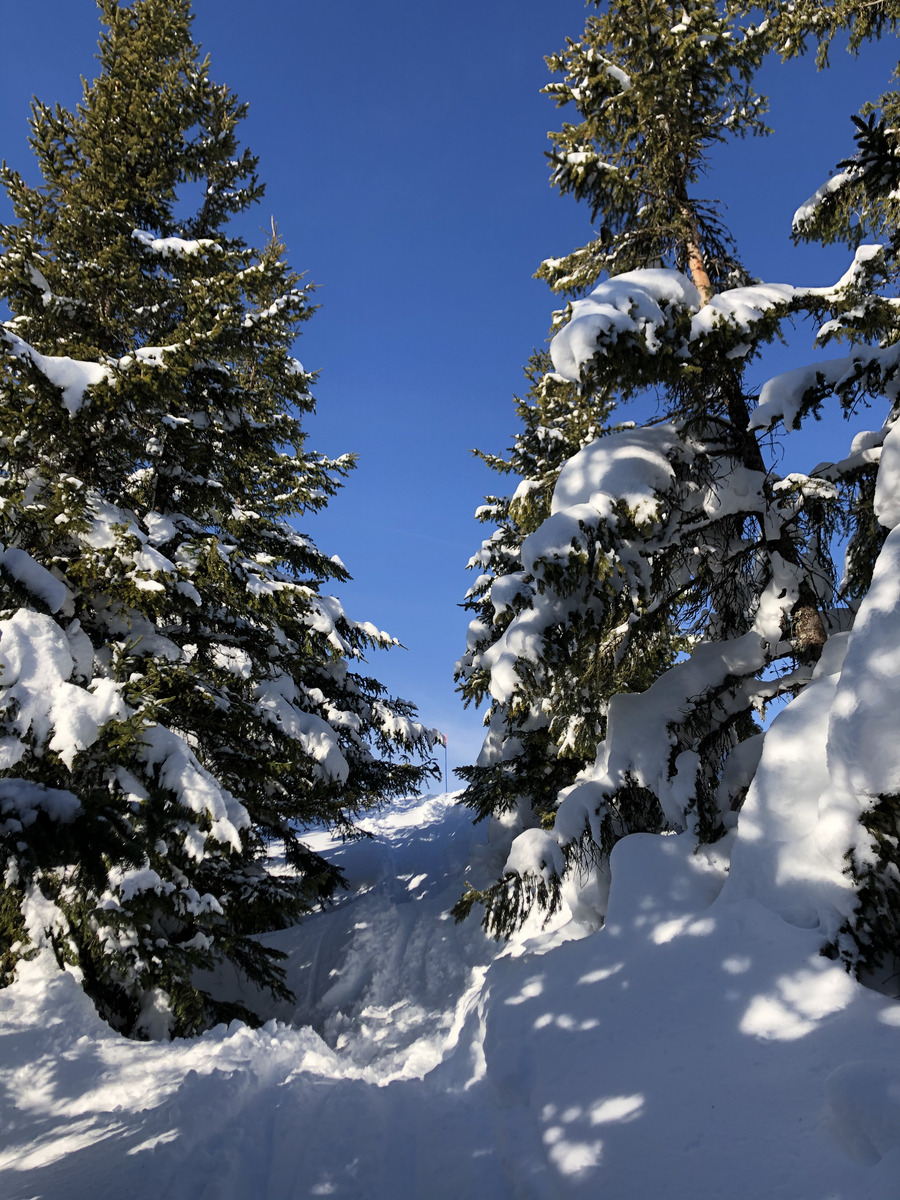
{"x":178,"y":692}
{"x":555,"y":426}
{"x":694,"y":584}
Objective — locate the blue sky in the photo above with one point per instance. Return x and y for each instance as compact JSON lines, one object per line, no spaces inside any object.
{"x":402,"y":147}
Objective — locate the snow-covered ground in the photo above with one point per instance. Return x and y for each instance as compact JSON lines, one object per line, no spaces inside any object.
{"x":697,"y":1047}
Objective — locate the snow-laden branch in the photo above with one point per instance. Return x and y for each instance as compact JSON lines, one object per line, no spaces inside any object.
{"x":652,"y":306}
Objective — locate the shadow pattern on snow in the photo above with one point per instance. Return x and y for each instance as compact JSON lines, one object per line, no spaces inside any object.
{"x":697,"y":1046}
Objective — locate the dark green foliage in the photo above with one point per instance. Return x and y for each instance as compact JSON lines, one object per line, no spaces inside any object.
{"x":655,"y":87}
{"x":205,"y":701}
{"x":507,"y":903}
{"x":869,"y":941}
{"x":660,"y":601}
{"x":734,"y":559}
{"x":15,"y":935}
{"x":555,"y":426}
{"x":791,"y":27}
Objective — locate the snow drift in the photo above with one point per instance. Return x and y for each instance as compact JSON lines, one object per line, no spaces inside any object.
{"x":697,"y":1046}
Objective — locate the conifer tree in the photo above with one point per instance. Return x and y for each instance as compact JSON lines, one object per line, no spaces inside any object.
{"x":697,"y":585}
{"x":539,"y":720}
{"x":178,"y":693}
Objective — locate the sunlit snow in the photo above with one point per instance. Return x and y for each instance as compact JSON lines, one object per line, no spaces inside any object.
{"x":697,"y":1046}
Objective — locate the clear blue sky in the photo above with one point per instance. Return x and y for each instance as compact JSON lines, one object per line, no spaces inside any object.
{"x":402,"y":147}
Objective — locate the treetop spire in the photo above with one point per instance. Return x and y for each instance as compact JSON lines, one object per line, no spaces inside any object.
{"x":655,"y":85}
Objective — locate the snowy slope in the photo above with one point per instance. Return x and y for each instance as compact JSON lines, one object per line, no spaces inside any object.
{"x":696,"y":1047}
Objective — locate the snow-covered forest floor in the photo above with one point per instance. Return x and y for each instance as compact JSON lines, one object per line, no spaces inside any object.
{"x":697,"y":1046}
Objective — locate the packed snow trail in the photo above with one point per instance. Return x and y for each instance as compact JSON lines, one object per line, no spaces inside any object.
{"x":696,"y":1047}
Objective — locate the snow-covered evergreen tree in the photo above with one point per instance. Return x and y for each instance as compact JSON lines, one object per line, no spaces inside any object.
{"x":178,"y":692}
{"x":555,"y":426}
{"x":697,"y":584}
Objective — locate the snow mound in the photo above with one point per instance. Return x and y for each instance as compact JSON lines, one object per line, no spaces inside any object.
{"x":700,"y":1022}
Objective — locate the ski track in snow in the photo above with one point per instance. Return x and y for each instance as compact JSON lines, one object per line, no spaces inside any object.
{"x":696,"y":1048}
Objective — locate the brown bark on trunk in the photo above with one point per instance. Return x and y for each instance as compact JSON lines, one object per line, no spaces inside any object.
{"x":697,"y":268}
{"x":695,"y":261}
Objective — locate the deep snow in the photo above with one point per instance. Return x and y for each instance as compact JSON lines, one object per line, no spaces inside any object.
{"x":697,"y":1046}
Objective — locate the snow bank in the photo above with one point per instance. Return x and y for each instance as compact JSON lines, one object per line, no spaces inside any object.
{"x":423,"y":1060}
{"x":778,"y":859}
{"x":887,"y":487}
{"x":700,"y":1021}
{"x":863,"y":749}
